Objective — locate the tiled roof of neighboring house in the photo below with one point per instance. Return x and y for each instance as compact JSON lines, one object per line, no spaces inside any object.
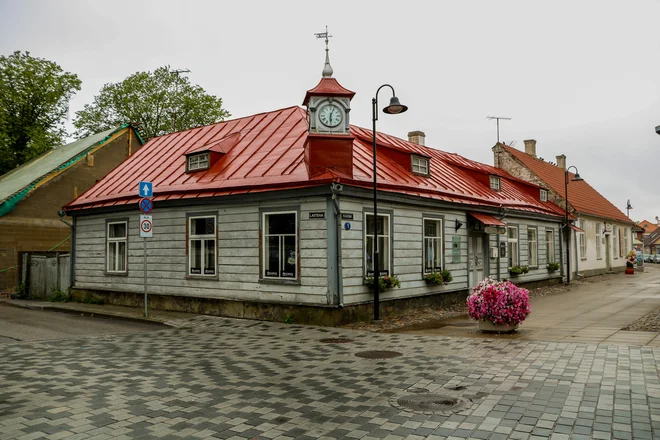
{"x":652,"y":238}
{"x":648,"y":226}
{"x":269,"y":154}
{"x":18,"y":182}
{"x":582,"y":196}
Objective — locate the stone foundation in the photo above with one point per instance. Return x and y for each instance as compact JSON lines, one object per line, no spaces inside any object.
{"x":294,"y":313}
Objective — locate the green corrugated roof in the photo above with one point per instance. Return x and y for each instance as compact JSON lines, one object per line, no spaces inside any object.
{"x":20,"y":180}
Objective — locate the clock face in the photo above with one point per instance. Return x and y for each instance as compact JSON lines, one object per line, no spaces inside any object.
{"x":330,"y":116}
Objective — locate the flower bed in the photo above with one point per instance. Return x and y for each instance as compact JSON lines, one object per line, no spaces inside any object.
{"x":500,"y":302}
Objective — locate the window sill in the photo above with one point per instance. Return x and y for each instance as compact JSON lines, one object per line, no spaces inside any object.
{"x":203,"y":277}
{"x":116,"y":274}
{"x":280,"y":282}
{"x":583,"y":259}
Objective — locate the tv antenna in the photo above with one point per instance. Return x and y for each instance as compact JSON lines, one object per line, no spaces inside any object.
{"x":178,"y":73}
{"x":497,"y":118}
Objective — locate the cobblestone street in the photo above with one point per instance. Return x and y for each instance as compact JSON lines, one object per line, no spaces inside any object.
{"x":223,"y":378}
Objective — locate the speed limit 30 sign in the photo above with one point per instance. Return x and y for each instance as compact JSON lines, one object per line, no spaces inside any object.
{"x":146,"y":226}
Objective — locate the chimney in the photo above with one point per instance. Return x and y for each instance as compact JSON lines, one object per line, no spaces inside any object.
{"x":530,"y":147}
{"x":561,"y":162}
{"x":417,"y":137}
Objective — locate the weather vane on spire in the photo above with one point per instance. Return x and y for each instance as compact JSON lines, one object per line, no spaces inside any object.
{"x":327,"y":69}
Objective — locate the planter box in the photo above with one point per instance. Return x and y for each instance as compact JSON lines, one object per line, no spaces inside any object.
{"x":489,"y":327}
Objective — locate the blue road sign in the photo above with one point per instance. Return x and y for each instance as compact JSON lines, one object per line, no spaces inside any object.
{"x":146,"y":205}
{"x":145,"y":189}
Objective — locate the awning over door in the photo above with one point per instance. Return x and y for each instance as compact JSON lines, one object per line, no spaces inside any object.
{"x":486,"y":219}
{"x":575,"y":228}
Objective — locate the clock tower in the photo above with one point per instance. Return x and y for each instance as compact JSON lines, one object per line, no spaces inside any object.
{"x":329,"y":145}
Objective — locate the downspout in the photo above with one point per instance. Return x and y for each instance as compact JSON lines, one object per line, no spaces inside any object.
{"x":561,"y":251}
{"x":577,"y":255}
{"x":336,"y":188}
{"x":499,"y":256}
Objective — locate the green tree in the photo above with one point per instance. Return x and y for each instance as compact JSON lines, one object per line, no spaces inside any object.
{"x":158,"y":102}
{"x":34,"y":101}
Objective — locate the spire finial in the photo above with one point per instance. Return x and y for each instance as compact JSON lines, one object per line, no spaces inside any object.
{"x":327,"y":69}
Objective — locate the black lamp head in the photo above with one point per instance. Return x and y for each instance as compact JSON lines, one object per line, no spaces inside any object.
{"x":577,"y":178}
{"x":395,"y":107}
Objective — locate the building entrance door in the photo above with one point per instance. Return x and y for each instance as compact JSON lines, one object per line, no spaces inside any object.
{"x":477,"y":269}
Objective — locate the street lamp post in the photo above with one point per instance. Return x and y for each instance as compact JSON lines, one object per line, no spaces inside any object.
{"x":577,"y":178}
{"x":394,"y":108}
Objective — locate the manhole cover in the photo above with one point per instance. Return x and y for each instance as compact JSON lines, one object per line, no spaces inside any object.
{"x":431,"y":403}
{"x":378,"y":354}
{"x":335,"y":340}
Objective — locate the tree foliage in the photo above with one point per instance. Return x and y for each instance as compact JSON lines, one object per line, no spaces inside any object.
{"x":34,"y":101}
{"x":158,"y":102}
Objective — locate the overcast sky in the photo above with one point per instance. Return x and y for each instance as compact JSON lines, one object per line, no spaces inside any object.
{"x":580,"y":77}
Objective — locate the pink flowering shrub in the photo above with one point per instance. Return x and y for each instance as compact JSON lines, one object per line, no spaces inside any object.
{"x":500,"y":302}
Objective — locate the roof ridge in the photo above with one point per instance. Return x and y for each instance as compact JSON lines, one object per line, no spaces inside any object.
{"x":224,"y":121}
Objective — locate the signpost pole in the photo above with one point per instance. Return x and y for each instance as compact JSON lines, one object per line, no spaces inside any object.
{"x":144,"y":249}
{"x":145,"y":190}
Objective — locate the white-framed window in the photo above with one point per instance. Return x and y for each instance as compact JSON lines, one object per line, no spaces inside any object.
{"x":420,"y":165}
{"x":550,"y":246}
{"x":512,"y":245}
{"x":198,"y":162}
{"x":384,"y":244}
{"x":615,"y":239}
{"x":495,"y":183}
{"x":432,"y":245}
{"x":533,"y":246}
{"x":622,"y":251}
{"x":582,"y":246}
{"x":116,"y":255}
{"x":625,"y":241}
{"x":202,"y":245}
{"x":599,"y":242}
{"x":544,"y":195}
{"x":280,"y":245}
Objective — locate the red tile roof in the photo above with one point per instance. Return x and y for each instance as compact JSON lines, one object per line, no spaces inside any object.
{"x":648,"y":226}
{"x":266,"y":153}
{"x":582,"y":196}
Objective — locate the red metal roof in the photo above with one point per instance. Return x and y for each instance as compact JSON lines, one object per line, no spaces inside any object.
{"x":267,"y":153}
{"x":575,"y":228}
{"x":328,"y":87}
{"x":581,"y":195}
{"x":486,"y":219}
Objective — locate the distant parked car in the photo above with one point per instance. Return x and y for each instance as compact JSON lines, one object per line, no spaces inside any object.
{"x":646,"y":258}
{"x":654,"y":258}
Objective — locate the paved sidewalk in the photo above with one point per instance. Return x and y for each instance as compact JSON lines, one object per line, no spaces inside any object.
{"x":107,"y":310}
{"x":589,"y":313}
{"x":240,"y":379}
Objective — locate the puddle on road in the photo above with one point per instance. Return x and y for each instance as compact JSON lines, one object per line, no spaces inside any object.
{"x":462,"y":321}
{"x":455,"y":326}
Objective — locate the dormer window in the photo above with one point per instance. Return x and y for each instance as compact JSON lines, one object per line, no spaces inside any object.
{"x":495,"y":183}
{"x":544,"y":195}
{"x":420,"y":165}
{"x":198,"y":162}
